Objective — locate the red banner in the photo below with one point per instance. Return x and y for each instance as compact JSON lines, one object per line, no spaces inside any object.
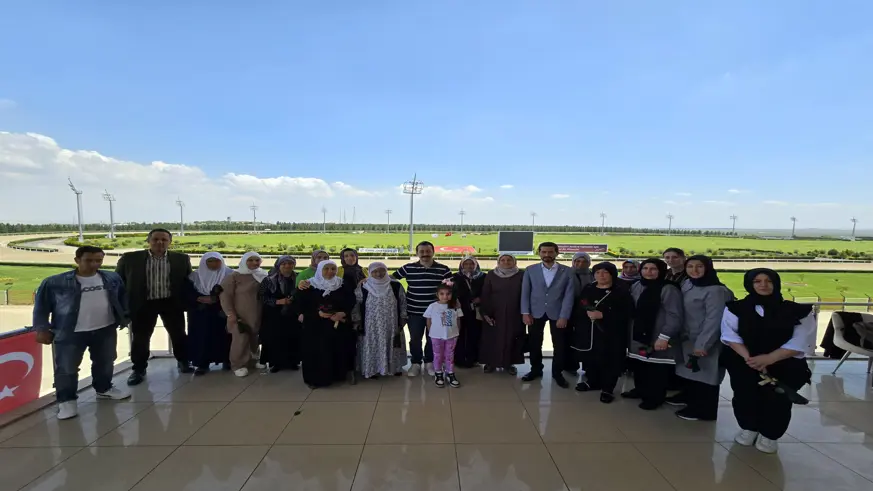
{"x":455,"y":249}
{"x":20,"y":370}
{"x":589,"y":248}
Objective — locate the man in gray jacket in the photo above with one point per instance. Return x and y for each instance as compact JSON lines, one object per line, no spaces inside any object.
{"x":547,"y":295}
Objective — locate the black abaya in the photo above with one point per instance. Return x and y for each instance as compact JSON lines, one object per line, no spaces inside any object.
{"x":328,"y":351}
{"x":208,"y":340}
{"x":280,"y":329}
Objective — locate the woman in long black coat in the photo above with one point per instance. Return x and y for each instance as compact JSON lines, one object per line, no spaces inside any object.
{"x":208,"y":340}
{"x":468,"y":283}
{"x":280,"y":329}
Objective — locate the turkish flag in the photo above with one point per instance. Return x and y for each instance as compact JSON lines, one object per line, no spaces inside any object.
{"x":20,"y":370}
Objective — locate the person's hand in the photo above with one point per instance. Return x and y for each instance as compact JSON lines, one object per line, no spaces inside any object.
{"x":528,"y":319}
{"x":325,"y":315}
{"x":361,"y":283}
{"x":661,"y":345}
{"x":595,"y":315}
{"x":759,"y":362}
{"x":283,"y":301}
{"x":338,"y":317}
{"x":44,"y":337}
{"x":300,"y":318}
{"x":232,"y":323}
{"x":303,"y":285}
{"x":700,"y":353}
{"x":476,"y":301}
{"x":562,"y":323}
{"x":488,"y":320}
{"x":204,"y":299}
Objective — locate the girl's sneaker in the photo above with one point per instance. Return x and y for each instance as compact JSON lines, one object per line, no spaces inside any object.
{"x":439,"y":380}
{"x":453,"y":381}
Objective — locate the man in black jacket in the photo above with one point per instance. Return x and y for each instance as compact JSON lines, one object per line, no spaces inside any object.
{"x":154,"y":279}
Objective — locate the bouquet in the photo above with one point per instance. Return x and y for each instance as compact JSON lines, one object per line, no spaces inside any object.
{"x":693,"y":363}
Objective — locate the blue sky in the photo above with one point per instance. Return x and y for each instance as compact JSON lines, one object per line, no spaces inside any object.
{"x":635,"y":108}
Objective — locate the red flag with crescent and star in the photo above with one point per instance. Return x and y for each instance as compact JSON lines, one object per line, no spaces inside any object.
{"x":20,"y":370}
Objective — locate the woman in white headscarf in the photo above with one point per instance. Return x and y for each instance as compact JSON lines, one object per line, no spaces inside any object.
{"x":383,"y":310}
{"x":240,"y":303}
{"x":208,"y":340}
{"x":328,"y":341}
{"x":502,"y":330}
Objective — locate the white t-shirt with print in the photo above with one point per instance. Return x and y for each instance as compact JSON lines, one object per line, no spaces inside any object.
{"x":95,"y":311}
{"x":445,"y":323}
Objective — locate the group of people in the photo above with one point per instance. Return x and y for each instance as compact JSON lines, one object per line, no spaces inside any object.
{"x":665,"y":320}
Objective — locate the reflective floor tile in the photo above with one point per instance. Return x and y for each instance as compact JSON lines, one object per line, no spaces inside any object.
{"x":306,"y":468}
{"x":606,"y":467}
{"x":703,"y":467}
{"x":400,"y":422}
{"x":570,"y":422}
{"x":364,"y":391}
{"x":545,"y":391}
{"x":855,"y":365}
{"x":162,"y":424}
{"x":407,"y":467}
{"x":405,"y":389}
{"x":493,"y":422}
{"x":102,"y":469}
{"x":483,"y":387}
{"x":726,"y":428}
{"x":95,"y":420}
{"x":799,"y":467}
{"x":329,"y":423}
{"x":855,"y":456}
{"x":26,"y":422}
{"x":810,"y":426}
{"x":838,"y":388}
{"x":214,"y":387}
{"x":204,"y":469}
{"x":276,"y":387}
{"x":660,"y":425}
{"x":246,"y":423}
{"x":22,"y":465}
{"x":855,"y":414}
{"x":512,"y":467}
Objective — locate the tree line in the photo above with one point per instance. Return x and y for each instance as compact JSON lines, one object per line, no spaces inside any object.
{"x":217,"y":225}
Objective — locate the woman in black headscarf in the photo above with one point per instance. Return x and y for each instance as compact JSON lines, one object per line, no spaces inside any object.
{"x":704,"y":297}
{"x":601,"y":342}
{"x":767,"y":335}
{"x":280,"y":328}
{"x":657,"y":319}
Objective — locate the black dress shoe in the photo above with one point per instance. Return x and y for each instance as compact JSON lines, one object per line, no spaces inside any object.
{"x":200,"y":371}
{"x":561,"y":381}
{"x":135,"y":378}
{"x":632,"y":394}
{"x":649,"y":405}
{"x":531,"y":376}
{"x":606,"y":397}
{"x":185,"y":367}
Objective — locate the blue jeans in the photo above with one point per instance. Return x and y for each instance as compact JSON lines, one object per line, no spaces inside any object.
{"x":68,"y":357}
{"x":417,"y":326}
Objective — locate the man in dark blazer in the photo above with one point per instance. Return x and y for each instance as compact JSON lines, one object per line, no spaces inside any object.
{"x":547,"y":295}
{"x":155,"y":279}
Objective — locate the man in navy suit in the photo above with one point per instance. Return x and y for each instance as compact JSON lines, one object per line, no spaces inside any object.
{"x":547,"y":295}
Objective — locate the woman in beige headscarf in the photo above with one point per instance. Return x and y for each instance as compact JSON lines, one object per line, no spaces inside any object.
{"x":239,"y":300}
{"x":502,"y":329}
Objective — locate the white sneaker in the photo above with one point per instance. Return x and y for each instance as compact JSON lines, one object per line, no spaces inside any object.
{"x":746,"y":438}
{"x":414,"y":370}
{"x":67,"y":410}
{"x":260,"y":366}
{"x":766,"y":445}
{"x":241,"y":372}
{"x":429,"y":368}
{"x":114,"y":393}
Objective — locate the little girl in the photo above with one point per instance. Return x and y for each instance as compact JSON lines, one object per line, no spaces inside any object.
{"x":443,"y":326}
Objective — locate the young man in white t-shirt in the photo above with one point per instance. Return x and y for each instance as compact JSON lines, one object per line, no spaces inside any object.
{"x":443,"y":319}
{"x":76,"y":311}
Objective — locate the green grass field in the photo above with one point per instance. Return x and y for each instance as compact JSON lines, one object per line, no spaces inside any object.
{"x":487,"y":243}
{"x":23,"y":280}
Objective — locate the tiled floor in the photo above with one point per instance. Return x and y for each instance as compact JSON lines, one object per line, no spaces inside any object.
{"x":269,"y":432}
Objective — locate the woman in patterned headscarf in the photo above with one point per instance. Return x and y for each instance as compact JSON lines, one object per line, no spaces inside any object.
{"x":280,"y":329}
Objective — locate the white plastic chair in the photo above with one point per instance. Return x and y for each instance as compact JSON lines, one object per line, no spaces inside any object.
{"x":840,"y":341}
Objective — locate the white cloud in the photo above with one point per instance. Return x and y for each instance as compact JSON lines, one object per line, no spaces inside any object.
{"x":819,"y":205}
{"x":7,"y":104}
{"x":294,"y":185}
{"x":683,"y":194}
{"x":473,"y":189}
{"x":507,"y":186}
{"x":464,"y":194}
{"x":349,"y":190}
{"x":737,"y":191}
{"x":677,"y":203}
{"x":560,"y":196}
{"x":775,"y":202}
{"x":719,"y":203}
